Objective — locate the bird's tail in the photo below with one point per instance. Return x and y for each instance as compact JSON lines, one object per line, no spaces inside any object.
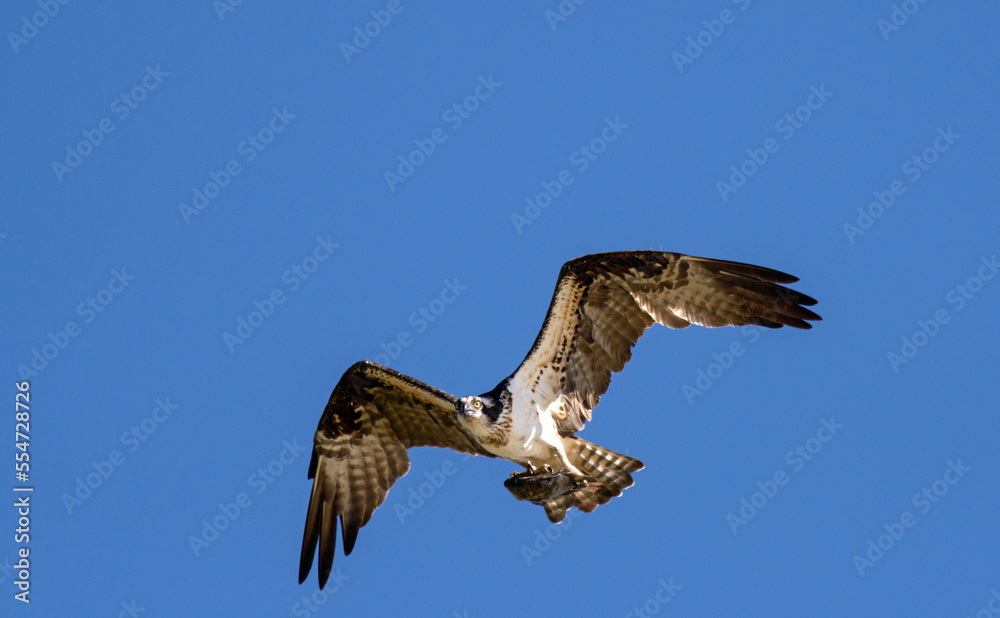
{"x":612,"y":470}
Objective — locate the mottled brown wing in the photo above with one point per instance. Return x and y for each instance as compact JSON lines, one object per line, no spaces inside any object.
{"x":604,"y":302}
{"x":374,"y":415}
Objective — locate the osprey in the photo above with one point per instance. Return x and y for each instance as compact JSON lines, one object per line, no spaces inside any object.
{"x":601,"y":306}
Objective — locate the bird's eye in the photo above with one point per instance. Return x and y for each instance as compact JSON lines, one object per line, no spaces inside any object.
{"x":477,"y":404}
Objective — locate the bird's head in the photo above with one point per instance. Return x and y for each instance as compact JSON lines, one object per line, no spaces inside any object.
{"x":474,"y":406}
{"x":482,"y":408}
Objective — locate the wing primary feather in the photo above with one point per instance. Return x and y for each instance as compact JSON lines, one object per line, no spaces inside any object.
{"x":350,"y":530}
{"x":328,"y":543}
{"x":311,"y":534}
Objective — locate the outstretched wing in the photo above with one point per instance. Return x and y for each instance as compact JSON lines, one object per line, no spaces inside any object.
{"x":604,"y":302}
{"x":373,"y":416}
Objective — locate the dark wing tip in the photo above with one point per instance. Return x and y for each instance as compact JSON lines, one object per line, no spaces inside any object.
{"x":306,"y":558}
{"x":304,"y":568}
{"x":752,"y":272}
{"x":318,"y":532}
{"x":811,"y":316}
{"x":802,"y":299}
{"x":327,"y":547}
{"x":311,"y":534}
{"x":775,"y":305}
{"x":794,"y":317}
{"x":349,"y":529}
{"x":794,"y":314}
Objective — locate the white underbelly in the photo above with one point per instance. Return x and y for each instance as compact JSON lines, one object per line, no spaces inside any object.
{"x":533,"y":438}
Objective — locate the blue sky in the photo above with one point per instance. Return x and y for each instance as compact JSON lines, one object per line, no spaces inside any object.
{"x":210,"y":214}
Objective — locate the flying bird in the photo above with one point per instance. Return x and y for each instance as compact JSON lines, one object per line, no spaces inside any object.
{"x":602,"y":304}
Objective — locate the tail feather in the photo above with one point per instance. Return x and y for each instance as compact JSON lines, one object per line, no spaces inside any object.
{"x":610,"y":469}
